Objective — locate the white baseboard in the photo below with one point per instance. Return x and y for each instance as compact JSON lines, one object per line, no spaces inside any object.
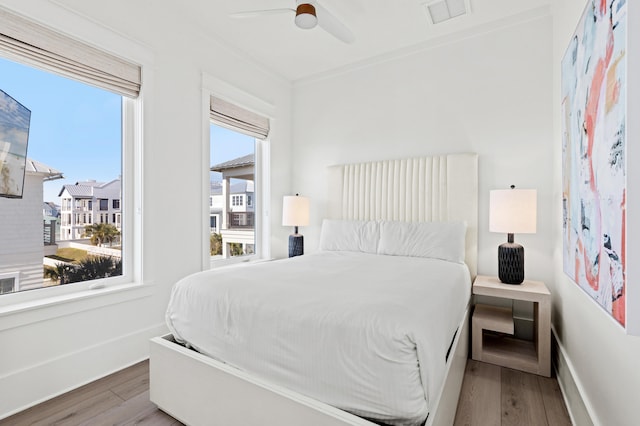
{"x":580,"y":410}
{"x":56,"y":376}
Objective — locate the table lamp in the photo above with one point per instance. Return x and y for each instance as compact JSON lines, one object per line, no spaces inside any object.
{"x":295,"y":212}
{"x":512,"y":211}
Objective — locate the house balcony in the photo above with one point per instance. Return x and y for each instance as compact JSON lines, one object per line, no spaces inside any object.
{"x":49,"y":233}
{"x":240,"y":220}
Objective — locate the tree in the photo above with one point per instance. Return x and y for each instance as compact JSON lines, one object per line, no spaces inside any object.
{"x":91,"y":268}
{"x":101,"y":233}
{"x":95,"y":267}
{"x":61,"y":273}
{"x":215,"y":244}
{"x":235,"y":249}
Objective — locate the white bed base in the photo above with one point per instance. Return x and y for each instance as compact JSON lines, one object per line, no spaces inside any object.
{"x":199,"y":390}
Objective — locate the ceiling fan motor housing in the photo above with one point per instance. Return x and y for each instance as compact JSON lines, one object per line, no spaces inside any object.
{"x":306,"y":16}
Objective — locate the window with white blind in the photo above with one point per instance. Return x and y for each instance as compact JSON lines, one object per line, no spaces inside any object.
{"x":82,"y":104}
{"x":235,"y":137}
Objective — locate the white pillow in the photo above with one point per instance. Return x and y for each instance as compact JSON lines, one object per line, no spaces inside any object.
{"x":439,"y":240}
{"x":349,"y":235}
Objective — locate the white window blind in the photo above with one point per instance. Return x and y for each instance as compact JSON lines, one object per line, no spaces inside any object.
{"x":239,"y":119}
{"x":30,"y":43}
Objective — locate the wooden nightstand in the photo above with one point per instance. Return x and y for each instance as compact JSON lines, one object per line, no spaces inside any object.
{"x":501,"y":349}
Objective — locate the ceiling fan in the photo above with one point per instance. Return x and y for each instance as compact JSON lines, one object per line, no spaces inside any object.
{"x":309,"y":13}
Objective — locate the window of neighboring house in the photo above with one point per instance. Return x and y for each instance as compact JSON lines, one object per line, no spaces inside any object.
{"x":75,"y":94}
{"x":249,"y":201}
{"x":9,"y":282}
{"x":116,"y":204}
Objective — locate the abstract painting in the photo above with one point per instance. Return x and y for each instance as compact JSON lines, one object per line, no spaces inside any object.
{"x":594,"y":155}
{"x":14,"y":135}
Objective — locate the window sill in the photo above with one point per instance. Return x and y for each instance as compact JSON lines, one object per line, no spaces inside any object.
{"x":25,"y":313}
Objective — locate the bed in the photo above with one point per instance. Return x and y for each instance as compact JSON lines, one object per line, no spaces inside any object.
{"x":328,"y":340}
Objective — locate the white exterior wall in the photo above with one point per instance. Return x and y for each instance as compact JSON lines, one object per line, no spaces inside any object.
{"x":51,"y":349}
{"x":22,"y":246}
{"x":75,"y":229}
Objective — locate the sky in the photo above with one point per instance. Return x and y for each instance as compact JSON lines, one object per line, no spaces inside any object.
{"x":227,"y":145}
{"x":75,"y":128}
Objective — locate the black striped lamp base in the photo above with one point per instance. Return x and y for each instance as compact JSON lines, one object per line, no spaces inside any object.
{"x":511,"y":263}
{"x":296,"y":245}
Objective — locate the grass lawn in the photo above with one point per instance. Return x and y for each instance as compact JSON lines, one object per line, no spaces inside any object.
{"x":70,"y":255}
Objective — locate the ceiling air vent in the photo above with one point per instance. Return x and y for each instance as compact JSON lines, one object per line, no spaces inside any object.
{"x":443,"y":10}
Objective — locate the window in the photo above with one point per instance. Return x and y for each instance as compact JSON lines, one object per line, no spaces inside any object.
{"x":232,"y":174}
{"x":238,"y":150}
{"x":97,"y":90}
{"x":9,"y":282}
{"x":236,"y":200}
{"x":234,"y":135}
{"x":116,"y":204}
{"x":249,"y":201}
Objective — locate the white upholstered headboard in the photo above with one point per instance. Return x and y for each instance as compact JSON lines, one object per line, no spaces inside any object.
{"x":437,"y":188}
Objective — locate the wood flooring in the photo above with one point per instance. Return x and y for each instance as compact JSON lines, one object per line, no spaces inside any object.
{"x":491,"y":395}
{"x":119,"y":399}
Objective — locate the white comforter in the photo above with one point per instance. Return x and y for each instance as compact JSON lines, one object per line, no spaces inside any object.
{"x":365,"y":333}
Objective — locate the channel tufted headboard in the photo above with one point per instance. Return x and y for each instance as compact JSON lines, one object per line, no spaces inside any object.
{"x":422,"y":189}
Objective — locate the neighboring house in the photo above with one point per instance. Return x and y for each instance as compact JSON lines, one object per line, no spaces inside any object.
{"x":240,"y":208}
{"x":232,"y":204}
{"x":50,"y":209}
{"x":86,"y":203}
{"x":51,"y":215}
{"x":22,"y":247}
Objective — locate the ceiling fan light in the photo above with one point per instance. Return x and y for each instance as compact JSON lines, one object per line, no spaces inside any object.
{"x":306,"y":16}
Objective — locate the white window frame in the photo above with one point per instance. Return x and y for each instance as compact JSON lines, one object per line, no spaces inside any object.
{"x":262,"y":183}
{"x":131,"y":229}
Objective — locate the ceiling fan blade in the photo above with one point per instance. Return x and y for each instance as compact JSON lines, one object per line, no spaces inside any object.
{"x":332,"y":25}
{"x":254,"y":13}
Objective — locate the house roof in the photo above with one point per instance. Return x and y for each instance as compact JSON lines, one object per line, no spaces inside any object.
{"x":246,"y":160}
{"x":35,"y":167}
{"x":240,"y":187}
{"x":86,"y":188}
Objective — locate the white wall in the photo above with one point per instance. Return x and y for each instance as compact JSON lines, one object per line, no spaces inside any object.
{"x":22,"y":246}
{"x":50,"y":350}
{"x":601,"y":357}
{"x":489,"y":94}
{"x":496,"y":94}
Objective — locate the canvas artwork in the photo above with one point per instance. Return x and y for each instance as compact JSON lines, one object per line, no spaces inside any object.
{"x":14,"y":135}
{"x":594,"y":155}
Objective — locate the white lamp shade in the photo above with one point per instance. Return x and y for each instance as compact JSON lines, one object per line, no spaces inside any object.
{"x":295,"y":211}
{"x":512,"y":211}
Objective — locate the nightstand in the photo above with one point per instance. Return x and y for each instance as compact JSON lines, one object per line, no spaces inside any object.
{"x":492,"y":327}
